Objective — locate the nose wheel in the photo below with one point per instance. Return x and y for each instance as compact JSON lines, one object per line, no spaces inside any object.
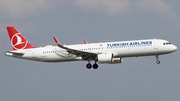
{"x":158,"y":62}
{"x":157,"y":58}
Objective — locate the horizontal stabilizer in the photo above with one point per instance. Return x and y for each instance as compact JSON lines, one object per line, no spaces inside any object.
{"x":15,"y":52}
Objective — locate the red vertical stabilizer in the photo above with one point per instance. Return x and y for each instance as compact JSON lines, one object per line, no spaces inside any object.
{"x":17,"y":40}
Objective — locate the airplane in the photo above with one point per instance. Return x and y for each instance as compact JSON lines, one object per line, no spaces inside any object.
{"x":106,"y":52}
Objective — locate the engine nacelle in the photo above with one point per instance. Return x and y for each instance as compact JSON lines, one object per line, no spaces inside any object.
{"x":117,"y":60}
{"x":108,"y":58}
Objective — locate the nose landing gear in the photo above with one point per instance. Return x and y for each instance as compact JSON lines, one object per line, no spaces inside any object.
{"x":157,"y":58}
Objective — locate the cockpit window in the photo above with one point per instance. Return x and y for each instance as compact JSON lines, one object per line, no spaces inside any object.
{"x":166,"y":43}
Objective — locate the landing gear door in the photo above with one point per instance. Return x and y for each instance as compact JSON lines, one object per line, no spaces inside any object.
{"x":155,"y":44}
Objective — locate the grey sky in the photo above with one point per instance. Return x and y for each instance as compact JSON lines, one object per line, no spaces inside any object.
{"x":72,"y":21}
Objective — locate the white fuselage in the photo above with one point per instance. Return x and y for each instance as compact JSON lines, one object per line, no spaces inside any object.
{"x":119,"y":49}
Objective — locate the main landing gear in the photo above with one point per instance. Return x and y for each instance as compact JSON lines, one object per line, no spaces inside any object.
{"x":89,"y":66}
{"x":157,"y":58}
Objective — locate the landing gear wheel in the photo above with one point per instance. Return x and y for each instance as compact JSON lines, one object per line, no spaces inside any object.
{"x":88,"y":66}
{"x":157,"y":57}
{"x":95,"y":66}
{"x":158,"y":62}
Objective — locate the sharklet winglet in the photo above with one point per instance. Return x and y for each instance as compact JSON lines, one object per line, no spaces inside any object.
{"x":58,"y":44}
{"x":85,"y":42}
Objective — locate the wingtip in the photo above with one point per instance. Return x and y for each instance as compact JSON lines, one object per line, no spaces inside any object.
{"x":58,"y":44}
{"x":85,"y":42}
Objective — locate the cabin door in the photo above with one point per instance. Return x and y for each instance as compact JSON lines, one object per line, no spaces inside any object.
{"x":155,"y":44}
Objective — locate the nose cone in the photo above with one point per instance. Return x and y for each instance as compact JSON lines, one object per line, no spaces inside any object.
{"x":174,"y":48}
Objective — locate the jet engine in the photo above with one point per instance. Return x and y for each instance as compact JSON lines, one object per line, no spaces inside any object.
{"x":108,"y":58}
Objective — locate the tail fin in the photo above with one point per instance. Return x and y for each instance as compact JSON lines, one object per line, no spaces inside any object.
{"x":17,"y":40}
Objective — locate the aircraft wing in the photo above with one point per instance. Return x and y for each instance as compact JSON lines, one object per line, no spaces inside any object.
{"x":84,"y":54}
